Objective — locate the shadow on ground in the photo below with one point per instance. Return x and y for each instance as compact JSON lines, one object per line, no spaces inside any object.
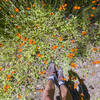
{"x":81,"y":93}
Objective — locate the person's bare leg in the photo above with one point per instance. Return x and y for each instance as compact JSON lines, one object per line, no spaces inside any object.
{"x":48,"y":93}
{"x":65,"y":93}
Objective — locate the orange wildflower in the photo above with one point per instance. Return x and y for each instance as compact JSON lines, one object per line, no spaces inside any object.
{"x":93,"y":62}
{"x":51,"y":13}
{"x":93,"y":8}
{"x":65,"y":5}
{"x":19,"y":56}
{"x":63,"y":78}
{"x":75,"y":85}
{"x":39,"y":55}
{"x":11,"y":16}
{"x":40,"y":90}
{"x":30,"y":41}
{"x":84,"y":32}
{"x":53,"y":35}
{"x":6,"y":87}
{"x":17,"y":10}
{"x":78,"y":7}
{"x":18,"y":27}
{"x":94,"y":49}
{"x":1,"y":44}
{"x":62,"y":46}
{"x":21,"y":44}
{"x":45,"y":61}
{"x":13,"y":72}
{"x":72,"y":41}
{"x":93,"y":1}
{"x":43,"y":72}
{"x":8,"y":77}
{"x":20,"y":50}
{"x":54,"y":47}
{"x":92,"y":15}
{"x":19,"y":96}
{"x":0,"y":68}
{"x":6,"y":0}
{"x":43,"y":3}
{"x":74,"y":65}
{"x":0,"y":8}
{"x":37,"y":47}
{"x":25,"y":39}
{"x":71,"y":55}
{"x":60,"y":38}
{"x":37,"y":25}
{"x":75,"y":7}
{"x":33,"y":5}
{"x":97,"y":62}
{"x":92,"y":73}
{"x":27,"y":8}
{"x":33,"y":42}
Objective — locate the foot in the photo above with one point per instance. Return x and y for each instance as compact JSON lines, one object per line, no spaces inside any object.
{"x":60,"y":76}
{"x":52,"y":73}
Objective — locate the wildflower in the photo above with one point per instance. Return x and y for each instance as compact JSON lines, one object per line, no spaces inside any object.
{"x":97,"y":62}
{"x":25,"y":39}
{"x":84,"y":33}
{"x":51,"y":13}
{"x":8,"y":77}
{"x":43,"y":72}
{"x":37,"y":25}
{"x":75,"y":85}
{"x":45,"y":61}
{"x":93,"y":62}
{"x":1,"y":44}
{"x":54,"y":47}
{"x":53,"y":35}
{"x":6,"y":87}
{"x":37,"y":47}
{"x":33,"y":42}
{"x":43,"y":3}
{"x":92,"y":73}
{"x":27,"y":8}
{"x":0,"y":68}
{"x":74,"y":65}
{"x":93,"y":1}
{"x":60,"y":38}
{"x":19,"y":56}
{"x":93,"y":8}
{"x":13,"y":72}
{"x":62,"y":46}
{"x":21,"y":44}
{"x":33,"y":5}
{"x":72,"y":41}
{"x":65,"y":5}
{"x":92,"y":15}
{"x":17,"y":10}
{"x":39,"y":55}
{"x":19,"y":50}
{"x":0,"y":8}
{"x":19,"y":96}
{"x":11,"y":16}
{"x":6,"y":0}
{"x":40,"y":90}
{"x":75,"y":7}
{"x":94,"y":49}
{"x":78,"y":7}
{"x":62,"y":78}
{"x":71,"y":55}
{"x":18,"y":27}
{"x":30,"y":41}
